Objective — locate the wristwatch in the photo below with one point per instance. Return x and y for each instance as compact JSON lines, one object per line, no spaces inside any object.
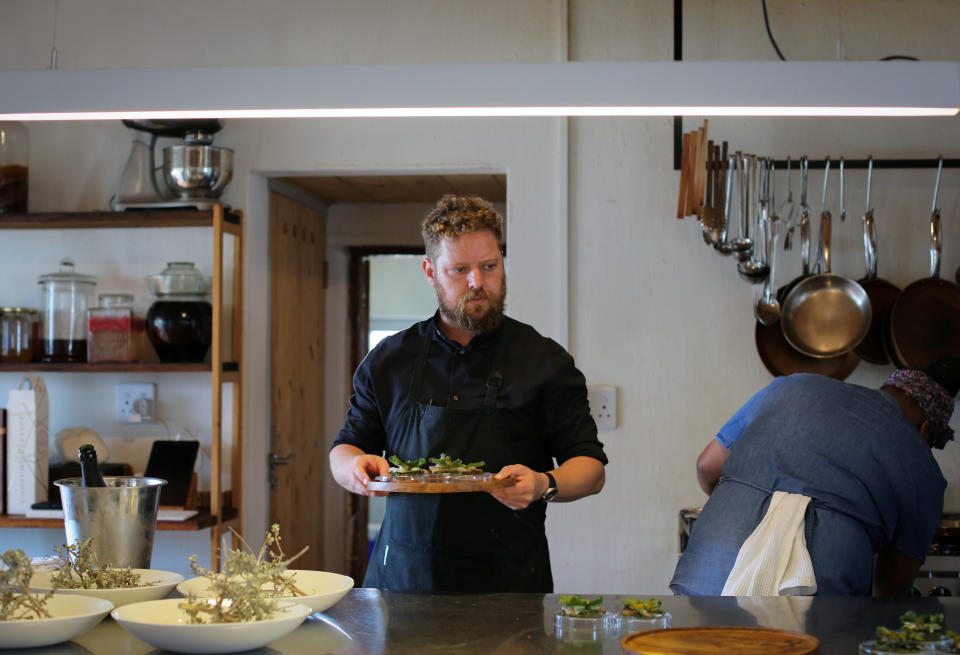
{"x":551,"y":491}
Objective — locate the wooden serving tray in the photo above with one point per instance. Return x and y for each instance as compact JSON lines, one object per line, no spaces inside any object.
{"x":440,"y":484}
{"x":714,"y":640}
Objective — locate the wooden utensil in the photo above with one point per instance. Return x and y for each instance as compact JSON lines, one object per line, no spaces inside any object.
{"x":684,"y":172}
{"x":700,"y":170}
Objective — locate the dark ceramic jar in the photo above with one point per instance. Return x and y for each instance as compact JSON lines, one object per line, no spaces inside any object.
{"x":180,"y":328}
{"x":179,"y":323}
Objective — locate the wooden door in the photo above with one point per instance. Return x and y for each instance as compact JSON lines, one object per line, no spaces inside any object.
{"x":297,"y":247}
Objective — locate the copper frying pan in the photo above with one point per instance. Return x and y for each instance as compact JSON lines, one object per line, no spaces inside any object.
{"x":925,"y":319}
{"x":882,"y":293}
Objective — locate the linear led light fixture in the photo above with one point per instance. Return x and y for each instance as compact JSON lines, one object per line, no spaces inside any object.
{"x":667,"y":88}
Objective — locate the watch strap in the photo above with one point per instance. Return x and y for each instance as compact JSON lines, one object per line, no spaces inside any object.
{"x":551,"y":491}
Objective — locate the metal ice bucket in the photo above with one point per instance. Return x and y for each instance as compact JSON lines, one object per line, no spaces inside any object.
{"x":120,"y":518}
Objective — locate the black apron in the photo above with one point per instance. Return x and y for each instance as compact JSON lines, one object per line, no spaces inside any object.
{"x":467,"y":542}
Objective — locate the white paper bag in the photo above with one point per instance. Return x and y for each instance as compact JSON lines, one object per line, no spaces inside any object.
{"x":28,"y":449}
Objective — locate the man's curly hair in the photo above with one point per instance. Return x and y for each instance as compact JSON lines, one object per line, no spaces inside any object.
{"x":456,"y":215}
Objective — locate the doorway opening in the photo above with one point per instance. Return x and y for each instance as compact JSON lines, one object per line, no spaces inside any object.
{"x":376,"y":287}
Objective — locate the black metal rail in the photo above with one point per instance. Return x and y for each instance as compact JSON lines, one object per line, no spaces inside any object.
{"x":782,"y":163}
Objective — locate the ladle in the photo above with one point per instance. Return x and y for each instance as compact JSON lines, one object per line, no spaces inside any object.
{"x":767,"y":309}
{"x":718,"y":227}
{"x":756,"y":269}
{"x":843,"y":209}
{"x":743,"y":244}
{"x":723,"y":245}
{"x":804,"y":217}
{"x":792,"y":214}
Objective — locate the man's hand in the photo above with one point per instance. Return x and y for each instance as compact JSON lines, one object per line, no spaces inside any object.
{"x":353,"y":469}
{"x":577,"y":477}
{"x":529,"y":487}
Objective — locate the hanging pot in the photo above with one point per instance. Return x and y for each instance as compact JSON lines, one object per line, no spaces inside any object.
{"x":882,"y":293}
{"x":825,"y":315}
{"x":925,"y":319}
{"x":776,"y":353}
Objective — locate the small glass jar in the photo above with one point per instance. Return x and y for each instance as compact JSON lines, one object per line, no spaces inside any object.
{"x":14,"y":173}
{"x":66,"y":296}
{"x":111,"y":329}
{"x":18,"y":334}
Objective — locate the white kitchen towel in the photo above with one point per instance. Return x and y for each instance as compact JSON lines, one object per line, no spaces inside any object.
{"x":774,"y":560}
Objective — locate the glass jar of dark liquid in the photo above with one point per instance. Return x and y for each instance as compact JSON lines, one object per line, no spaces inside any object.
{"x":66,"y":296}
{"x":179,"y":323}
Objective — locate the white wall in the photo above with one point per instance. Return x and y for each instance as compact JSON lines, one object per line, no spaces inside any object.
{"x":651,"y":310}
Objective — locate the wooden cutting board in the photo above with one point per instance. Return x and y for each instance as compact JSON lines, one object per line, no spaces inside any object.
{"x":441,"y":485}
{"x":717,"y":640}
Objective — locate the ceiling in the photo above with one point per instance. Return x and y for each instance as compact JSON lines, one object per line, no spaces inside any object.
{"x":378,"y":189}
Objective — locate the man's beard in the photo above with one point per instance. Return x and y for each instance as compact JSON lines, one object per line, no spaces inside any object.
{"x":457,"y":313}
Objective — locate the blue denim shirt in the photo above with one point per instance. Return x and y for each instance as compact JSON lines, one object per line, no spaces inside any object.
{"x":871,"y":477}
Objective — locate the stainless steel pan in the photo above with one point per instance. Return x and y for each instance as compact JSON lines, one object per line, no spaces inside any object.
{"x":825,"y":315}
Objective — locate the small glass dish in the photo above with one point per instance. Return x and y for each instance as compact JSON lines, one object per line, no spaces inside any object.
{"x":944,"y":645}
{"x":629,"y":624}
{"x":583,"y":628}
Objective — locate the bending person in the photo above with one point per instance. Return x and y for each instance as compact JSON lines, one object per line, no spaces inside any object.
{"x":861,"y":456}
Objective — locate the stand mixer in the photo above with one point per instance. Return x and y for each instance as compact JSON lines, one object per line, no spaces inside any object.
{"x":195,"y":173}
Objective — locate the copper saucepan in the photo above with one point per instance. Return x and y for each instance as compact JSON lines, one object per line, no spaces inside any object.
{"x":882,"y":293}
{"x":925,"y":320}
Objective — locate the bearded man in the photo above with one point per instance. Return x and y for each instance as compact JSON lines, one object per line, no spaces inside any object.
{"x":476,"y":385}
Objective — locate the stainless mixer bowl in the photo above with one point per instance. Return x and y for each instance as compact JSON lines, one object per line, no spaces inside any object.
{"x":197,"y":171}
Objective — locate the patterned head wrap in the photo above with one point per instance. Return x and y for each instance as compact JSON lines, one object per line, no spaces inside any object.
{"x":934,"y":401}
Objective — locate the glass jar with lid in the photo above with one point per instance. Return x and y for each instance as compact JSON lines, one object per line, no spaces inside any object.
{"x":66,"y":297}
{"x":18,"y":334}
{"x":179,"y":323}
{"x":112,"y":329}
{"x":14,"y":173}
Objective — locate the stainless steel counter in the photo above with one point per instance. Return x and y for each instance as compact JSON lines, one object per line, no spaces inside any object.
{"x":369,"y":622}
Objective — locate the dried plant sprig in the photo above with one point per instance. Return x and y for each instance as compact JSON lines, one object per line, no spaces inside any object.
{"x":79,"y":567}
{"x":16,"y":600}
{"x":248,"y":586}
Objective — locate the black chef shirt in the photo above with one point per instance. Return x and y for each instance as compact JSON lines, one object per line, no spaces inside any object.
{"x":542,"y":401}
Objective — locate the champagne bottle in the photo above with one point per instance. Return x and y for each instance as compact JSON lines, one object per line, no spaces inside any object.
{"x":90,"y":475}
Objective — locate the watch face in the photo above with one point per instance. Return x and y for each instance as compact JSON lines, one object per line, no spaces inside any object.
{"x":549,"y":494}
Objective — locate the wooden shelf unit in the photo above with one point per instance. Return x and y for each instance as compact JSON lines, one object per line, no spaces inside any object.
{"x":225,"y":368}
{"x":204,"y":519}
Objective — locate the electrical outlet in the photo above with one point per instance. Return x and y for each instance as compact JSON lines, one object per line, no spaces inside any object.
{"x":136,"y":402}
{"x":603,"y":406}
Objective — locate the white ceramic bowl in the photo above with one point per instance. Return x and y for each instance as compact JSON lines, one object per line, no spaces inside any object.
{"x":323,"y":589}
{"x":71,"y":616}
{"x":162,"y":624}
{"x":163,"y":584}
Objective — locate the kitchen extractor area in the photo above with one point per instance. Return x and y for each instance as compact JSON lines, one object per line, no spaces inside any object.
{"x":387,"y":372}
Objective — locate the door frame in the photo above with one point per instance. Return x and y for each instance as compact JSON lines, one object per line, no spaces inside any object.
{"x":358,"y":318}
